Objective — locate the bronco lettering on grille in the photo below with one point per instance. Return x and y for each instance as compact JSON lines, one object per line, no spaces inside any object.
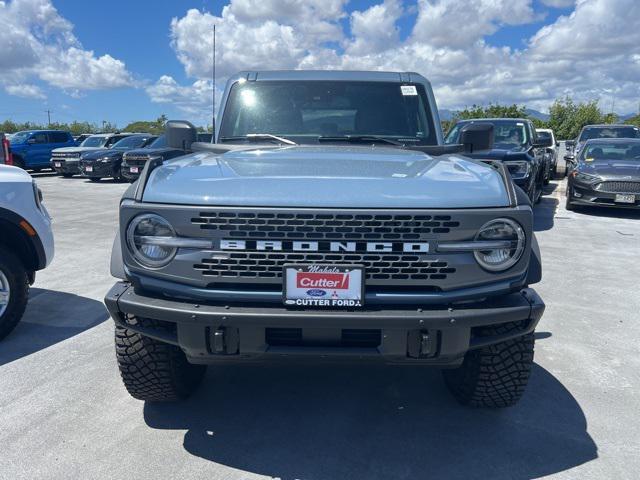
{"x":304,"y":246}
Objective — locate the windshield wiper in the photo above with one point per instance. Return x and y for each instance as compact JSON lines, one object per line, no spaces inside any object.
{"x":358,"y":139}
{"x":258,"y":137}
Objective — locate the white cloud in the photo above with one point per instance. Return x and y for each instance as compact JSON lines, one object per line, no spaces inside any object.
{"x":39,"y":43}
{"x":195,"y":99}
{"x":375,"y":29}
{"x":455,"y":23}
{"x":591,"y":54}
{"x":26,"y":91}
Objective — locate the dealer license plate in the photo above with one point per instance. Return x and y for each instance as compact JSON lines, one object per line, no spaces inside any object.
{"x":57,"y":164}
{"x":133,"y":169}
{"x":333,"y":286}
{"x":625,"y":199}
{"x":89,"y":169}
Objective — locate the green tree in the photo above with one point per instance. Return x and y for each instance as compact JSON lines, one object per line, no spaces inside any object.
{"x":567,"y":117}
{"x":492,"y":111}
{"x":156,"y":127}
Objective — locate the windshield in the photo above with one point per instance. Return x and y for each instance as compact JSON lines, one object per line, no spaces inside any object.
{"x":611,"y":151}
{"x":609,"y":132}
{"x":160,"y":142}
{"x":507,"y":134}
{"x":20,"y":137}
{"x":305,"y":110}
{"x":542,"y":135}
{"x":130,"y":142}
{"x":94,"y":141}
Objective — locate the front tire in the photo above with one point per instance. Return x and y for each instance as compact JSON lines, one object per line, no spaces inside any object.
{"x":67,"y":175}
{"x":568,"y":205}
{"x":14,"y":291}
{"x":494,"y":376}
{"x":154,"y":371}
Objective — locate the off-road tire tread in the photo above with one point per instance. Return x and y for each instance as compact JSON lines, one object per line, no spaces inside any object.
{"x":152,"y":370}
{"x":494,"y":376}
{"x":15,"y":272}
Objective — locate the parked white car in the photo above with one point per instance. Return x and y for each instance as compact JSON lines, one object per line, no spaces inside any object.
{"x":26,"y":242}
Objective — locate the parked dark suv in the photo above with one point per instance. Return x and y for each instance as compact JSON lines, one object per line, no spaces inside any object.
{"x":517,"y":144}
{"x":108,"y":163}
{"x":134,"y":160}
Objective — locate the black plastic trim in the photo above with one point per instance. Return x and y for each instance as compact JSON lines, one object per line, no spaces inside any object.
{"x":34,"y":242}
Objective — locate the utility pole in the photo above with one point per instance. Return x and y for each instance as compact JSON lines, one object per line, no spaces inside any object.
{"x":48,"y":112}
{"x":104,"y":123}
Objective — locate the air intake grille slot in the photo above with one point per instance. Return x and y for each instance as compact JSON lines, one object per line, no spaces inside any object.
{"x":619,"y":187}
{"x":325,"y":226}
{"x":351,"y":338}
{"x":377,"y":266}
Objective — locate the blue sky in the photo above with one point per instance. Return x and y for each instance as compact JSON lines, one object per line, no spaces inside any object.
{"x":474,"y":51}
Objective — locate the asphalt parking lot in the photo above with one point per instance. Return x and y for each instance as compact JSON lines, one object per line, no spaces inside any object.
{"x":65,"y":413}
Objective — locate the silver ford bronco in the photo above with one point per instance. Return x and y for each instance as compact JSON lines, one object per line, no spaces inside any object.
{"x":326,"y":221}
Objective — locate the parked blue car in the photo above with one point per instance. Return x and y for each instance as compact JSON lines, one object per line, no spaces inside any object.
{"x":31,"y":149}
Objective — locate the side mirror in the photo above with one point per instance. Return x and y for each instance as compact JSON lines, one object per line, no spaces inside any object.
{"x":180,"y":134}
{"x":543,"y":143}
{"x":477,"y":137}
{"x":557,"y":144}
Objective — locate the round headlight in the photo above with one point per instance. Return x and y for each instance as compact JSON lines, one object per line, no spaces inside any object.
{"x":145,"y":235}
{"x":499,"y":259}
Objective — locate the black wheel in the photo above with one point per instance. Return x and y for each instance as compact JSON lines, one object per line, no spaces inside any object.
{"x":67,"y":175}
{"x":18,"y":161}
{"x":494,"y":376}
{"x":95,"y":179}
{"x":154,"y":371}
{"x":14,"y":291}
{"x":547,"y":175}
{"x":568,"y":205}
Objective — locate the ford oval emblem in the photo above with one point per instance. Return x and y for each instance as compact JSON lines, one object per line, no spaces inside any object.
{"x":316,"y":292}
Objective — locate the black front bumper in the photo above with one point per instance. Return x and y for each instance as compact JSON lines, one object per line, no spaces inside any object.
{"x":217,"y":333}
{"x":126,"y":171}
{"x":98,"y":169}
{"x":67,"y":167}
{"x":583,"y":194}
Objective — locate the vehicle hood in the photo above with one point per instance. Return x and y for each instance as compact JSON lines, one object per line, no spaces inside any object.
{"x":327,"y":177}
{"x":612,"y":168}
{"x":102,"y":153}
{"x":518,"y":153}
{"x":78,"y":149}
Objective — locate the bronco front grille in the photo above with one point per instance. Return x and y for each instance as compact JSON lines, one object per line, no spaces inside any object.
{"x":618,"y":187}
{"x":269,"y":265}
{"x":324,"y":226}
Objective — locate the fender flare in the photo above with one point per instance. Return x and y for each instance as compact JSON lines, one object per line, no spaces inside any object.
{"x":534,"y":274}
{"x":117,"y":264}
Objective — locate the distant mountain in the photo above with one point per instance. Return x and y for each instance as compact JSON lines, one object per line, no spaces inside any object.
{"x":536,"y":114}
{"x":446,"y":115}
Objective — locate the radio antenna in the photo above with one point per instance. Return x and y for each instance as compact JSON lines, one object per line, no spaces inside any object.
{"x":213,"y":107}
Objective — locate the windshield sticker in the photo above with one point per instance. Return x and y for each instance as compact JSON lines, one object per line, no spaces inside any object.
{"x":408,"y":90}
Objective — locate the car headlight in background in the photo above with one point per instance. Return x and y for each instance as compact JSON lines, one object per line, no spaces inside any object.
{"x":518,"y":169}
{"x":499,"y":259}
{"x":146,"y":235}
{"x":584,"y":177}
